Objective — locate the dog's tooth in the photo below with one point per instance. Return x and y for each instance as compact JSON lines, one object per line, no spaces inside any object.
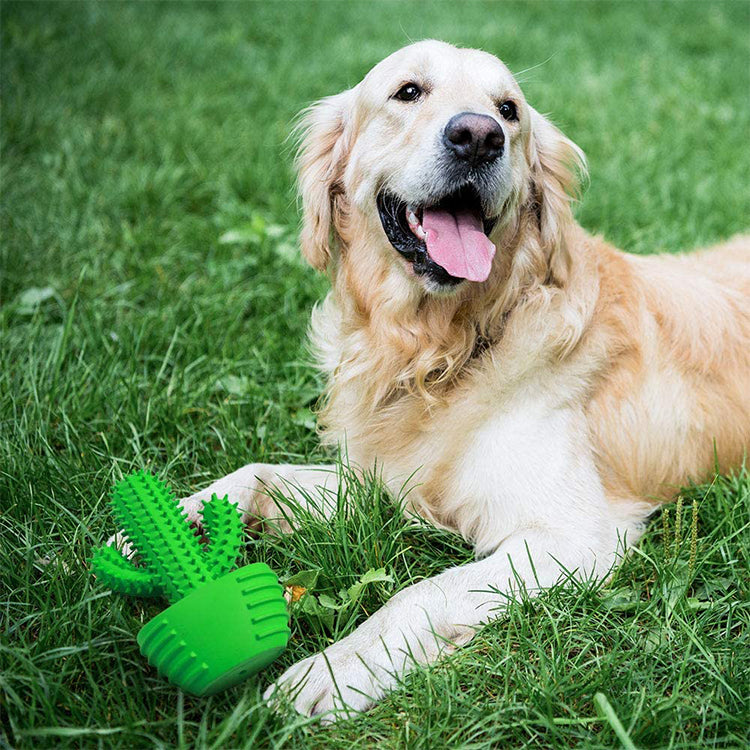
{"x":420,"y":232}
{"x":411,"y":217}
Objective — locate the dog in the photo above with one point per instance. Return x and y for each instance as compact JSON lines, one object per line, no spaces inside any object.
{"x":544,"y":391}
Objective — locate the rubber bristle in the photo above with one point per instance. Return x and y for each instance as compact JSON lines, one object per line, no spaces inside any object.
{"x":222,"y":524}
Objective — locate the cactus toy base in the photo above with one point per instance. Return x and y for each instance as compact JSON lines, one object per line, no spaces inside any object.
{"x":223,"y":632}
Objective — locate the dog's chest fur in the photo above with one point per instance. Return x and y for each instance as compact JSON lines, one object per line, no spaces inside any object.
{"x":470,"y":462}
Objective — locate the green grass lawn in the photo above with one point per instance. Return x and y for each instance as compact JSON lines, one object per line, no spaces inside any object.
{"x":153,"y":311}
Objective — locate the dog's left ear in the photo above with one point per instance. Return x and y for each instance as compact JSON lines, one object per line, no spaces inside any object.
{"x":324,"y":142}
{"x":557,"y":168}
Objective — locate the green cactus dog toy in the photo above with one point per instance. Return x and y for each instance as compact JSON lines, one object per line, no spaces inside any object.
{"x":221,"y":627}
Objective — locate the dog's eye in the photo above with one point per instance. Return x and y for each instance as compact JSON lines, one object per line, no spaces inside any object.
{"x":408,"y":92}
{"x":508,"y":110}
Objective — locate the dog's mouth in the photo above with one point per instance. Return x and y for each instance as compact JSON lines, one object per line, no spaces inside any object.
{"x":446,"y":240}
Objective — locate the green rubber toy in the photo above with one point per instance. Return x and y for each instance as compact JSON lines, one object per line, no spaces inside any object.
{"x":221,"y":626}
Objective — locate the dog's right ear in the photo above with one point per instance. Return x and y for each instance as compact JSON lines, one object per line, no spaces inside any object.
{"x":323,"y":146}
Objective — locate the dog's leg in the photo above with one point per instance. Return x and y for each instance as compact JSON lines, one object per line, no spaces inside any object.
{"x":312,"y":487}
{"x":432,"y":617}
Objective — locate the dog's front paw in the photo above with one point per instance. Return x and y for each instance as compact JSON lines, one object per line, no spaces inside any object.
{"x":333,"y":684}
{"x":353,"y":674}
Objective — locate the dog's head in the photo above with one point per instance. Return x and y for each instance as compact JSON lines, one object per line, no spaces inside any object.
{"x":428,"y":164}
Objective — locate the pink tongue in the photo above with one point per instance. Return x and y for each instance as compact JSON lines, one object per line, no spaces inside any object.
{"x":458,"y":243}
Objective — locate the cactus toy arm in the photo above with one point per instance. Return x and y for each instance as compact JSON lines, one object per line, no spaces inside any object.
{"x":223,"y":526}
{"x":119,"y":574}
{"x":156,"y":527}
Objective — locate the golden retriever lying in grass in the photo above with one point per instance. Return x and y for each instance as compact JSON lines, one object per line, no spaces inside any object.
{"x":544,"y":390}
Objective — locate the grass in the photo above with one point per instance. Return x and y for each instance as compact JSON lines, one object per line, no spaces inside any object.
{"x":153,"y":314}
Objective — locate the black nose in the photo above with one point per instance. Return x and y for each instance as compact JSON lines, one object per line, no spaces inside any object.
{"x":478,"y":139}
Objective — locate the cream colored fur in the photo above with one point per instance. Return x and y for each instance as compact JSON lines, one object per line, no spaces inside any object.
{"x":543,"y":413}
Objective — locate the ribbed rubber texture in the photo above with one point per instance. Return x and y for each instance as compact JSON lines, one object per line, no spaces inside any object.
{"x":148,"y":512}
{"x":223,"y":526}
{"x":119,"y":574}
{"x":220,"y":634}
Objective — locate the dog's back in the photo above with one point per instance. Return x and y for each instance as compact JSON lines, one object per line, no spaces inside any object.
{"x":677,"y":398}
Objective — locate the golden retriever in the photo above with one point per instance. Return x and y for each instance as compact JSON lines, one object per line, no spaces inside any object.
{"x":543,"y":390}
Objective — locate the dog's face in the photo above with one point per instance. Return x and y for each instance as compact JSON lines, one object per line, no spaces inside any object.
{"x":434,"y":152}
